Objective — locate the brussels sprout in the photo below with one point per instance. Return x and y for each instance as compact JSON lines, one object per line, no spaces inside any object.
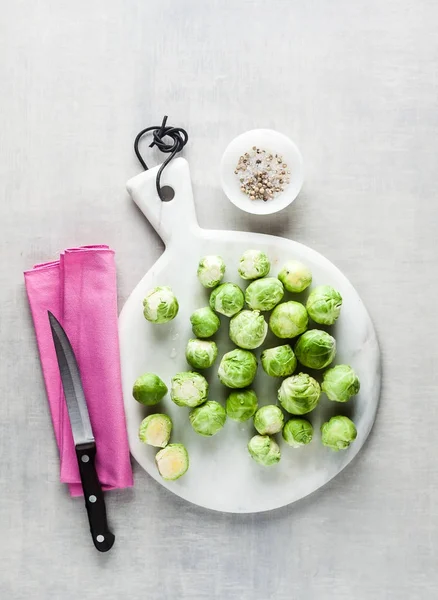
{"x":227,"y":299}
{"x":297,"y":432}
{"x":204,"y":322}
{"x":241,"y":405}
{"x":201,"y":354}
{"x":208,"y":419}
{"x":264,"y":294}
{"x":149,"y":389}
{"x":299,"y":394}
{"x":172,"y":461}
{"x":340,"y":383}
{"x":189,"y":389}
{"x":155,"y":430}
{"x":315,"y":349}
{"x":324,"y":304}
{"x":211,"y":271}
{"x":264,"y":450}
{"x":338,"y":433}
{"x":254,"y":264}
{"x":268,"y":420}
{"x":248,"y":329}
{"x":295,"y":276}
{"x":279,"y":361}
{"x":288,"y":320}
{"x":160,"y":305}
{"x":238,"y":368}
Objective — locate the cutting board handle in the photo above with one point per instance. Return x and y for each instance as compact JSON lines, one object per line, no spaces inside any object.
{"x":173,"y":219}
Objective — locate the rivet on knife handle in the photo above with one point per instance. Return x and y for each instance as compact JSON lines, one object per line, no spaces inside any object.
{"x":94,"y":501}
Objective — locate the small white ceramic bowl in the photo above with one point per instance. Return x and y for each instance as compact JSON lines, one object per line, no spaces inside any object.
{"x":274,"y":142}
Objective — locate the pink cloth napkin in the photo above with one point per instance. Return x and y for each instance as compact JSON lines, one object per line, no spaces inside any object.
{"x":81,"y":291}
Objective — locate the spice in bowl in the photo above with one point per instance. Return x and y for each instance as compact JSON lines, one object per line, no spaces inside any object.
{"x":262,"y":174}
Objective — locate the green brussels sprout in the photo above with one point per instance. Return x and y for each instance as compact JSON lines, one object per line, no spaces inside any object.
{"x":338,"y":433}
{"x":155,"y":430}
{"x":172,"y":461}
{"x":299,"y":394}
{"x":160,"y":305}
{"x":227,"y":299}
{"x":297,"y":432}
{"x":211,"y":271}
{"x":315,"y":349}
{"x":248,"y":329}
{"x":324,"y":304}
{"x":264,"y":294}
{"x":149,"y":389}
{"x":288,"y":320}
{"x":241,"y":405}
{"x":264,"y":450}
{"x":238,"y":368}
{"x":340,"y":383}
{"x":254,"y":264}
{"x":279,"y":361}
{"x":205,"y":322}
{"x":208,"y":419}
{"x":295,"y":276}
{"x":268,"y":420}
{"x":189,"y":389}
{"x":201,"y":354}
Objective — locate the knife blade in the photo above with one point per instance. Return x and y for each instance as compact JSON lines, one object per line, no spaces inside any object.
{"x":85,"y":445}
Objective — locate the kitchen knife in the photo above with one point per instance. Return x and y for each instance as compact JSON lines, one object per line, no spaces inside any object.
{"x":83,"y":437}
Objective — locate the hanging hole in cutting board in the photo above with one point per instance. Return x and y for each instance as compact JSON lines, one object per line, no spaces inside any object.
{"x":176,"y":137}
{"x":167,"y":193}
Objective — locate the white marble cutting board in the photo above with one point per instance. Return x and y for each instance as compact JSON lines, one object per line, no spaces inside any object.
{"x":222,"y":476}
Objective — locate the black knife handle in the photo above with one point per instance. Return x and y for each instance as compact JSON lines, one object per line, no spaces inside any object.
{"x":94,"y":501}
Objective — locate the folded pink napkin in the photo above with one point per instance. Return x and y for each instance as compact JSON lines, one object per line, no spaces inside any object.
{"x":80,"y":290}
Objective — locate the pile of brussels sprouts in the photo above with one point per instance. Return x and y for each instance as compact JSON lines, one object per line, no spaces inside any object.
{"x":299,"y":392}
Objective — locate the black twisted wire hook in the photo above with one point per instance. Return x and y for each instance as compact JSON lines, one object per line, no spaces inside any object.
{"x":179,"y":137}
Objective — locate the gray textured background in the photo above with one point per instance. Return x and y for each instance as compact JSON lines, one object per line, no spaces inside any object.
{"x":355,"y":85}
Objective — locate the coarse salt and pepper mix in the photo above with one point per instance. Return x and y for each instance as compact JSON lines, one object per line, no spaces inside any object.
{"x":262,"y":174}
